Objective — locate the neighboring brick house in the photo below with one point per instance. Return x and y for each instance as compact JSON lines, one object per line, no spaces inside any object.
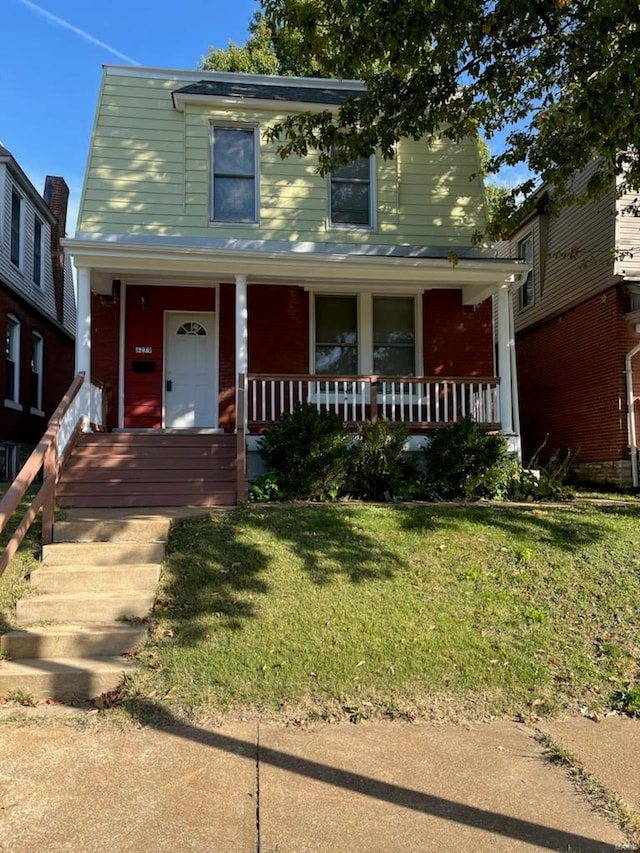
{"x":203,"y":257}
{"x":37,"y":310}
{"x":577,"y":330}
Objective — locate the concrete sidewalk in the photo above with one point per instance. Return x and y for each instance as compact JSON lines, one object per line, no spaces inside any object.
{"x":257,"y":788}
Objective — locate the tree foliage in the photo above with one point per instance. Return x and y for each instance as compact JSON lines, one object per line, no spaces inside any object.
{"x":560,"y":77}
{"x":271,"y":49}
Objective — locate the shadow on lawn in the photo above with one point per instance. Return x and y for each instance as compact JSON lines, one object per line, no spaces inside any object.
{"x":569,"y":527}
{"x":217,"y":565}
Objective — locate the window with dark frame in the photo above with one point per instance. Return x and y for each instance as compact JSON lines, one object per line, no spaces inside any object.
{"x":16,"y":216}
{"x":350,"y":191}
{"x":234,"y":178}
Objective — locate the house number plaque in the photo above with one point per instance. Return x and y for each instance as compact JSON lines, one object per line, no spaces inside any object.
{"x":144,"y":350}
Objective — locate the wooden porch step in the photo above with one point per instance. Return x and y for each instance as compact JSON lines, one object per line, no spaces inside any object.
{"x":150,"y":469}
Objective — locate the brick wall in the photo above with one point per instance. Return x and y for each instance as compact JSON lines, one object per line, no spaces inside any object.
{"x":572,"y":380}
{"x":56,"y":195}
{"x":457,"y":339}
{"x":278,"y":329}
{"x":105,"y":349}
{"x":58,"y":365}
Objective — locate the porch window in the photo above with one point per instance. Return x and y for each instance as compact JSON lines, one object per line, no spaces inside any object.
{"x":234,"y":196}
{"x":36,"y":372}
{"x":365,"y":334}
{"x":351,"y":194}
{"x":337,"y":335}
{"x":527,"y":291}
{"x":394,"y":338}
{"x":12,"y":361}
{"x":16,"y":227}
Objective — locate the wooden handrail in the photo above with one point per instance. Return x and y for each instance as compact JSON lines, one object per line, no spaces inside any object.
{"x":327,"y":377}
{"x":44,"y":454}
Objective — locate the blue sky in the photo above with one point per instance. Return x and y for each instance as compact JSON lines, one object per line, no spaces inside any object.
{"x":51,"y":63}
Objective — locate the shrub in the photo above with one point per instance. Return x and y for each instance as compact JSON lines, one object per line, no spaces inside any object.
{"x":376,"y":458}
{"x":264,"y":488}
{"x":464,"y":461}
{"x":307,"y":452}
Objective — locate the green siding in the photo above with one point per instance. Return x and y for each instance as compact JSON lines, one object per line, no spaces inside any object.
{"x":148,"y":173}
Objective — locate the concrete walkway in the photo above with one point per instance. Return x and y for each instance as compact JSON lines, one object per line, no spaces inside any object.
{"x":268,"y":788}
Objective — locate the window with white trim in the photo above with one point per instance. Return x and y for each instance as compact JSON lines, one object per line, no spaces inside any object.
{"x":234,"y":174}
{"x":37,"y":360}
{"x":12,"y":361}
{"x":16,"y":227}
{"x":527,"y":291}
{"x":351,"y":194}
{"x":365,"y":334}
{"x":38,"y":232}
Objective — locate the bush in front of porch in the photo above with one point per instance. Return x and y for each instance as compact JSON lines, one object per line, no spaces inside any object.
{"x":308,"y":452}
{"x":311,"y":455}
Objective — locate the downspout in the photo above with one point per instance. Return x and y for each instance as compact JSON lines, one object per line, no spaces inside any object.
{"x":631,"y":420}
{"x":515,"y":399}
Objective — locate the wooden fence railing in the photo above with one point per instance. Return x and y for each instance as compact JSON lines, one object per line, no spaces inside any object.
{"x":421,"y":401}
{"x":61,"y":434}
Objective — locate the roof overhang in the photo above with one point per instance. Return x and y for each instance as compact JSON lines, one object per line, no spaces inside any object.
{"x":478,"y":278}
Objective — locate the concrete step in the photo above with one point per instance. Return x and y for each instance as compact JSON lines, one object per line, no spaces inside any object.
{"x":107,"y":579}
{"x":84,"y":607}
{"x":151,"y":529}
{"x":74,"y":641}
{"x":64,"y":679}
{"x":102,"y":553}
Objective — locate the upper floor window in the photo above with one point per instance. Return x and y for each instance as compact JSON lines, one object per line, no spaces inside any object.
{"x":16,"y":227}
{"x":234,"y":169}
{"x":37,"y":347}
{"x":37,"y":251}
{"x":351,"y":194}
{"x":527,"y":291}
{"x":12,"y":361}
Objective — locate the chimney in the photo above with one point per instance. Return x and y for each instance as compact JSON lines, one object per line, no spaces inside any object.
{"x":56,"y":195}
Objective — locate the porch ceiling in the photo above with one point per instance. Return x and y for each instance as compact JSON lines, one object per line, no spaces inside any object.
{"x":476,"y":277}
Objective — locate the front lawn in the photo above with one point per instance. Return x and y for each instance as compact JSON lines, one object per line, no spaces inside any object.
{"x":14,"y":582}
{"x":407,"y":610}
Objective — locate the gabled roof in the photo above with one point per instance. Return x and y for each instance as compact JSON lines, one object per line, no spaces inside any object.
{"x":25,"y":184}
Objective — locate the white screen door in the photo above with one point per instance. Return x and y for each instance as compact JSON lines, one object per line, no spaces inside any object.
{"x":190,"y":371}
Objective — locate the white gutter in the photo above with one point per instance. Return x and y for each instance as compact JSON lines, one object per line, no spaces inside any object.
{"x":631,"y":420}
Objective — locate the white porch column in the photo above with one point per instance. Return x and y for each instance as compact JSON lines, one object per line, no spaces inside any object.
{"x":83,"y":339}
{"x":505,"y":347}
{"x":242,"y":332}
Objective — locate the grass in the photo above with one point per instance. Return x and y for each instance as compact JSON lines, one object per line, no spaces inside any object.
{"x":431,"y":611}
{"x":14,"y":582}
{"x":601,"y":799}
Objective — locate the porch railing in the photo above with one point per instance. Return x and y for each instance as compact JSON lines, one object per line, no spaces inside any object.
{"x":421,"y":401}
{"x":58,"y":440}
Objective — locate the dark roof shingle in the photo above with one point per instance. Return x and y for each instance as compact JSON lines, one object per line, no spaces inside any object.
{"x":271,"y":92}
